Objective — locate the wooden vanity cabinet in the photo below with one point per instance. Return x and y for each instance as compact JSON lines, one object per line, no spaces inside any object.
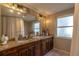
{"x":27,"y":50}
{"x":30,"y":51}
{"x":36,"y":48}
{"x":47,"y":45}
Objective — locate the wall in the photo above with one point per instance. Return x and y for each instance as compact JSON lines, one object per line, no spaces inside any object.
{"x":62,"y":44}
{"x":50,"y":23}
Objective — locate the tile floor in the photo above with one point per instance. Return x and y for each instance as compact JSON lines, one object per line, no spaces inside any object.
{"x":55,"y":53}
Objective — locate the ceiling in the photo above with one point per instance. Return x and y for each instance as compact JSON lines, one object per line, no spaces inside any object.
{"x":48,"y":8}
{"x":43,"y":8}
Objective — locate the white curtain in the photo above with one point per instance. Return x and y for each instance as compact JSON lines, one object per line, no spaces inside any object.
{"x":12,"y":26}
{"x":19,"y":27}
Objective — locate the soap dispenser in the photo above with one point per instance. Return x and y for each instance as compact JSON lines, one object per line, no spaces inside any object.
{"x":4,"y":39}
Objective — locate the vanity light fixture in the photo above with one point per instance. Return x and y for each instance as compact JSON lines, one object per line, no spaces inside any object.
{"x":11,"y":10}
{"x":18,"y":13}
{"x":13,"y":7}
{"x":16,"y":7}
{"x":40,"y":17}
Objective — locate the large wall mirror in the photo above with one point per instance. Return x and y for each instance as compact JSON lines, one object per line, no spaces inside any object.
{"x":14,"y":22}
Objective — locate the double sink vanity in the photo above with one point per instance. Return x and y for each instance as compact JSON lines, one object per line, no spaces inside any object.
{"x":37,"y":46}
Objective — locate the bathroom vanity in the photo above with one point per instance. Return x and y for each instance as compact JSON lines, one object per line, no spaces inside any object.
{"x":37,"y":46}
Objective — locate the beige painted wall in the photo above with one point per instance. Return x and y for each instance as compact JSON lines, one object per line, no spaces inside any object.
{"x":50,"y":23}
{"x":59,"y":43}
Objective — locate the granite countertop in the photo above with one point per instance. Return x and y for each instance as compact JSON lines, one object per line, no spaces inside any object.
{"x":12,"y":44}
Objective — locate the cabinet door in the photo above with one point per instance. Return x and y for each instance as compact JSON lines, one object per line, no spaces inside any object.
{"x":43,"y":47}
{"x":23,"y":52}
{"x":38,"y":48}
{"x":10,"y":52}
{"x":47,"y":45}
{"x":1,"y":54}
{"x":27,"y":51}
{"x":31,"y":51}
{"x":51,"y":43}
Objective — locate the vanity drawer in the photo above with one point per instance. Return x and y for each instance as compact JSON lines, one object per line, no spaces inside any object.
{"x":10,"y":52}
{"x":25,"y":46}
{"x":1,"y":54}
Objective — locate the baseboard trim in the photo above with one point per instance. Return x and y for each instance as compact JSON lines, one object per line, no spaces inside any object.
{"x":66,"y":52}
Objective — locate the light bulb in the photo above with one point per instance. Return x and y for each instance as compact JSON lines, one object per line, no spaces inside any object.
{"x":13,"y":7}
{"x":11,"y":11}
{"x":21,"y":10}
{"x":19,"y":13}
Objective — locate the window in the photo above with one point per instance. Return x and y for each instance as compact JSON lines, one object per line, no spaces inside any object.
{"x":36,"y":27}
{"x":65,"y":26}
